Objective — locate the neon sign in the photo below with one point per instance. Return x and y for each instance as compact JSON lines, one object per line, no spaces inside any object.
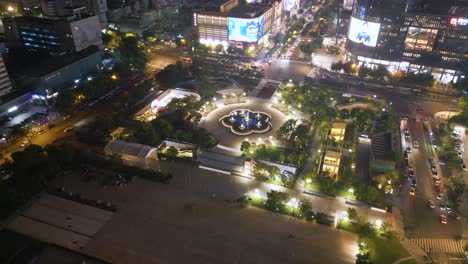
{"x":458,"y":21}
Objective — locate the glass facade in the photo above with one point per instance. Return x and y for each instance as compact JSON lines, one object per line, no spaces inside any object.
{"x":414,"y":38}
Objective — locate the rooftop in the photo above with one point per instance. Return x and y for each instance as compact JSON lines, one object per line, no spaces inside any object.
{"x":243,"y":10}
{"x":248,"y":10}
{"x":333,"y":154}
{"x":55,"y":63}
{"x":339,"y":125}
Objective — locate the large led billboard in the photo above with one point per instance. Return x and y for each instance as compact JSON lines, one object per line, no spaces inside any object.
{"x":245,"y":29}
{"x":363,"y":32}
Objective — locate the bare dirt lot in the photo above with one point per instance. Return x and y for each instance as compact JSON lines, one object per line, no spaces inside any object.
{"x":161,"y":224}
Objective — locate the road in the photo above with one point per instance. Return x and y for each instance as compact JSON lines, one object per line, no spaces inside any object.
{"x":286,"y":69}
{"x":421,"y":220}
{"x":160,"y":59}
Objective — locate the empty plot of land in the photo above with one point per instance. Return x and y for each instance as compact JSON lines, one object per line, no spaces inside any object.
{"x":164,"y":225}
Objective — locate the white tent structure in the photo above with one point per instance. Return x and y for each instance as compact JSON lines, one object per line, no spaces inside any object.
{"x":132,"y":153}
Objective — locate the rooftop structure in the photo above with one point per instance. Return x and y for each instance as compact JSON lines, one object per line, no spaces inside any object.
{"x":331,"y":163}
{"x":338,"y":131}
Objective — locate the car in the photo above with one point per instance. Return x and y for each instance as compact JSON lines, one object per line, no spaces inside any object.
{"x":412,"y":191}
{"x":431,"y":204}
{"x":24,"y":143}
{"x":405,"y":118}
{"x":443,"y":219}
{"x":42,"y":131}
{"x":408,"y":149}
{"x":438,"y":188}
{"x":68,"y":129}
{"x":460,"y":155}
{"x":448,"y":207}
{"x":413,"y":182}
{"x":415,"y":144}
{"x":463,"y":167}
{"x":388,"y":86}
{"x":439,"y":196}
{"x":419,"y":111}
{"x":442,"y":206}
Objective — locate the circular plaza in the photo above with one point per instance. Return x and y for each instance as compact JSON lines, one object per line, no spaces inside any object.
{"x":252,"y":119}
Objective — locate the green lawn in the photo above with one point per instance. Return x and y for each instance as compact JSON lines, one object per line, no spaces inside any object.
{"x":385,"y":250}
{"x":382,"y":249}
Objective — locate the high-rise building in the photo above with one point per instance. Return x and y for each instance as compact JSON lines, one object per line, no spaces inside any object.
{"x":5,"y":83}
{"x":240,"y":25}
{"x":429,"y":36}
{"x":66,"y":8}
{"x":55,"y":35}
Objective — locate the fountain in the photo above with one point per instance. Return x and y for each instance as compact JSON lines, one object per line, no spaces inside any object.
{"x":245,"y":122}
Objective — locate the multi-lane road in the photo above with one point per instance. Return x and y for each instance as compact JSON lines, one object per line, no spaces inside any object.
{"x":421,"y":220}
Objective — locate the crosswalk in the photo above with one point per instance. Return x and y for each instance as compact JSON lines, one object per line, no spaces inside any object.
{"x":435,"y":245}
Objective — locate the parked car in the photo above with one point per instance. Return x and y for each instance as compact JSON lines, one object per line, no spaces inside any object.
{"x":415,"y":144}
{"x":24,"y":143}
{"x":68,"y":129}
{"x":431,"y":204}
{"x":443,"y":219}
{"x":412,"y":191}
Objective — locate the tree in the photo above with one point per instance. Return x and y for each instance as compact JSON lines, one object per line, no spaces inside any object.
{"x":171,"y":153}
{"x":349,"y":67}
{"x":276,"y":200}
{"x":130,"y":53}
{"x":305,"y":207}
{"x":307,"y":48}
{"x":380,"y":73}
{"x":364,"y":71}
{"x":380,"y":179}
{"x":352,"y":214}
{"x":205,"y":87}
{"x":245,"y":146}
{"x":285,"y":131}
{"x":337,"y":66}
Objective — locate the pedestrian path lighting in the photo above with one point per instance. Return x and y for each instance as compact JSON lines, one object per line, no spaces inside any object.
{"x":378,"y":223}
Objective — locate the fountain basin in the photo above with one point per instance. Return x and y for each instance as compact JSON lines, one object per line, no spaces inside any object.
{"x":244,"y":122}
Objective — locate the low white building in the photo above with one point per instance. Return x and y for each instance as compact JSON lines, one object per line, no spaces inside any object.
{"x":131,"y":153}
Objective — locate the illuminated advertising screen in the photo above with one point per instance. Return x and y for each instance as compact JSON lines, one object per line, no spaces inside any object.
{"x":363,"y":32}
{"x":289,"y":4}
{"x":245,"y":29}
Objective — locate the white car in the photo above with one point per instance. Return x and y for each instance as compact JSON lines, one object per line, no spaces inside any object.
{"x":443,"y":219}
{"x":24,"y":143}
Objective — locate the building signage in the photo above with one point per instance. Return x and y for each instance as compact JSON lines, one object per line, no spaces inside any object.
{"x":458,"y":21}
